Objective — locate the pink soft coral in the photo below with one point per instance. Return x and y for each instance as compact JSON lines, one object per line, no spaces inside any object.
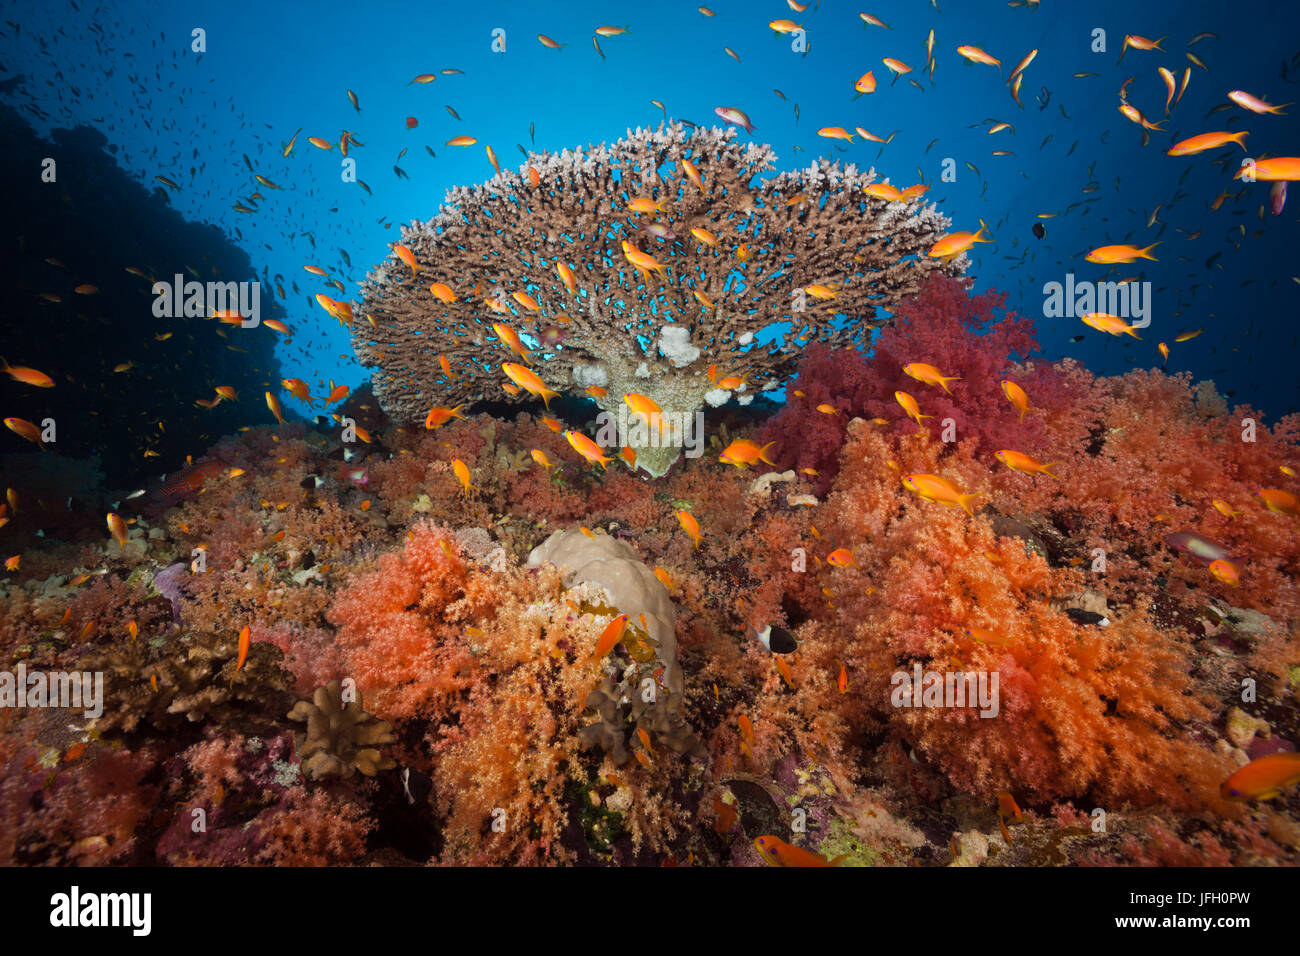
{"x":944,"y":326}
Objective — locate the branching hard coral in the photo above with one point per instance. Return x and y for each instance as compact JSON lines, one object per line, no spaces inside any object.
{"x":193,"y":678}
{"x":572,"y":273}
{"x":340,"y":738}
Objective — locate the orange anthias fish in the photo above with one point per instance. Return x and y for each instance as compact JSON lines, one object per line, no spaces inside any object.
{"x":25,"y":429}
{"x":1022,"y":463}
{"x":1254,"y":103}
{"x":1206,"y":141}
{"x":930,"y":375}
{"x":776,"y":852}
{"x":462,"y":472}
{"x":1016,"y":396}
{"x":941,"y":491}
{"x":746,"y":729}
{"x":743,"y":453}
{"x":690,"y":526}
{"x":643,"y":261}
{"x":692,"y":173}
{"x":975,"y":55}
{"x":567,"y":277}
{"x":407,"y":256}
{"x":28,"y":376}
{"x":909,"y":405}
{"x":440,"y":415}
{"x":612,"y":634}
{"x":1263,"y":778}
{"x":647,"y":408}
{"x":1273,"y":169}
{"x":1112,"y":255}
{"x":529,"y":381}
{"x":117,"y":527}
{"x":1280,"y":501}
{"x":954,"y":244}
{"x":587,"y":448}
{"x":1007,"y":806}
{"x":298,"y":389}
{"x":840,"y":558}
{"x":511,"y":339}
{"x":244,"y":641}
{"x":273,"y":404}
{"x":1229,"y":572}
{"x":1112,"y":324}
{"x":883,"y":191}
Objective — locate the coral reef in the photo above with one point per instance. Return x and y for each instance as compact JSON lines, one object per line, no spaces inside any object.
{"x":1131,"y":680}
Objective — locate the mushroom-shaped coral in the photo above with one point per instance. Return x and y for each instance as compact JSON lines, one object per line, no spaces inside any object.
{"x":616,"y":275}
{"x":340,"y":738}
{"x":632,"y":588}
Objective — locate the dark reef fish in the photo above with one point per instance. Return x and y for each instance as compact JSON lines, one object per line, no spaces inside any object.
{"x":184,"y":483}
{"x":776,"y":639}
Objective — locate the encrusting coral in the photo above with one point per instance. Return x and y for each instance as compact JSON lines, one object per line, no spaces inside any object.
{"x":733,"y":255}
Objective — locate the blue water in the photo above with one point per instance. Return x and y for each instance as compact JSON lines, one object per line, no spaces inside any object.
{"x":270,"y":69}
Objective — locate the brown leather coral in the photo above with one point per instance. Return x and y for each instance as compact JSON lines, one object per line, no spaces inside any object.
{"x":340,"y":738}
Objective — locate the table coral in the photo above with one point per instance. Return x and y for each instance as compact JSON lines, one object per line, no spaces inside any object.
{"x":758,"y":244}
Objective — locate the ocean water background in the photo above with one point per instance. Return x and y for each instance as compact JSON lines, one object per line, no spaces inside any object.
{"x":129,"y":71}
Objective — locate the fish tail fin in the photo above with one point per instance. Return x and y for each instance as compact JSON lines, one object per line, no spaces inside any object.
{"x":1130,"y":331}
{"x":966,"y":500}
{"x":1238,"y":137}
{"x":1146,"y":253}
{"x":547,"y":395}
{"x":1047,"y":470}
{"x":944,"y":382}
{"x":839,"y":860}
{"x":762,"y":454}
